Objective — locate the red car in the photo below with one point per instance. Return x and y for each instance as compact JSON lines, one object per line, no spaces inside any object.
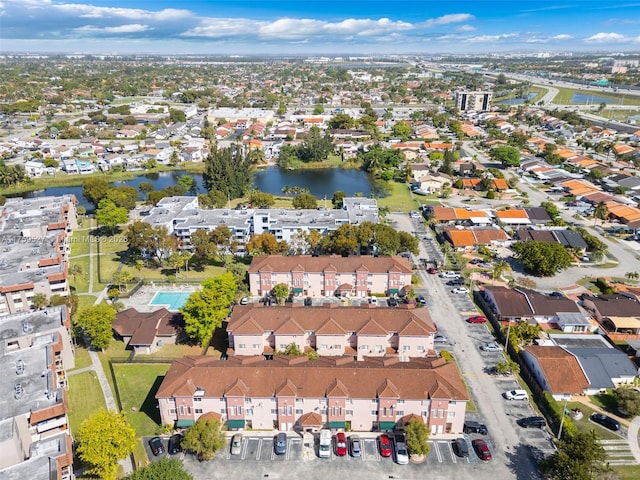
{"x":341,"y":444}
{"x":432,"y":270}
{"x":385,"y":445}
{"x":482,"y":449}
{"x":477,"y":319}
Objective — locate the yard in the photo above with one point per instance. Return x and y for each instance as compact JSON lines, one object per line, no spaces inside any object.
{"x":137,"y":385}
{"x":584,"y":424}
{"x":85,"y":397}
{"x":400,"y":198}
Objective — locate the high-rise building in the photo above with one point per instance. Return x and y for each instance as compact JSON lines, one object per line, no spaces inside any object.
{"x":477,"y":101}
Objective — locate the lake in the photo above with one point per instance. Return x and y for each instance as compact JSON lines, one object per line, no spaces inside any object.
{"x":519,"y":100}
{"x":592,"y":99}
{"x":321,"y":183}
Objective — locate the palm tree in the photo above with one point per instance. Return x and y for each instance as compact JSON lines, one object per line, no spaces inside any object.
{"x":632,"y":275}
{"x":601,"y":212}
{"x":75,"y":270}
{"x":499,"y":268}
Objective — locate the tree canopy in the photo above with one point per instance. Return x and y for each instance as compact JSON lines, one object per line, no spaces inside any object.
{"x":506,"y":155}
{"x":417,"y":437}
{"x":103,"y":439}
{"x":228,"y":171}
{"x":380,"y":158}
{"x":542,"y":259}
{"x":96,"y":322}
{"x":205,"y":437}
{"x":304,"y":200}
{"x":628,"y":400}
{"x":578,"y":457}
{"x":206,"y":308}
{"x":164,"y":469}
{"x":109,"y":215}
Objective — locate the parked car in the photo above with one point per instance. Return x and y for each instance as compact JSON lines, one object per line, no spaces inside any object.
{"x":156,"y":445}
{"x":440,"y":339}
{"x":556,"y":294}
{"x":324,"y":447}
{"x":477,"y":319}
{"x":460,"y":290}
{"x":373,"y":301}
{"x":384,"y":444}
{"x":421,"y":300}
{"x":475,"y":427}
{"x":516,"y":395}
{"x":460,"y":447}
{"x":484,"y":265}
{"x":432,"y":270}
{"x":475,"y":261}
{"x":308,"y":302}
{"x":355,"y":446}
{"x":244,"y":301}
{"x":482,"y":449}
{"x":280,"y":445}
{"x":606,"y":421}
{"x":532,"y":422}
{"x":392,"y":302}
{"x":341,"y":444}
{"x":449,"y":274}
{"x":175,"y":444}
{"x":490,"y":347}
{"x":236,"y":444}
{"x":455,"y":281}
{"x":402,"y":454}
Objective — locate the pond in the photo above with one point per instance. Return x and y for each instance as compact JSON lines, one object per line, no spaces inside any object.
{"x":519,"y":100}
{"x":592,"y":99}
{"x":321,"y":183}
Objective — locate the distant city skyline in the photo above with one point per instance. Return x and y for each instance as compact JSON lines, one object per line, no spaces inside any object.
{"x":314,"y":27}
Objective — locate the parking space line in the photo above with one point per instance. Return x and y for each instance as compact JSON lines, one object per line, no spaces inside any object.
{"x":447,"y":447}
{"x":438,"y":455}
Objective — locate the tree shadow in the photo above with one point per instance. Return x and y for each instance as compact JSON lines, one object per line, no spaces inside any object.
{"x":150,"y":405}
{"x":524,"y":461}
{"x":220,"y":340}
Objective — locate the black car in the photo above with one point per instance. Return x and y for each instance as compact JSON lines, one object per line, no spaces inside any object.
{"x":605,"y":421}
{"x":456,"y":281}
{"x":460,"y":447}
{"x":308,"y":302}
{"x":156,"y":445}
{"x":422,"y":300}
{"x":392,"y":302}
{"x":532,"y":422}
{"x":174,"y":444}
{"x":475,"y":427}
{"x":280,"y":445}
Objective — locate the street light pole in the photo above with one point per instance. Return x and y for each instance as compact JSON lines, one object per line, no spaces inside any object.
{"x":564,"y":408}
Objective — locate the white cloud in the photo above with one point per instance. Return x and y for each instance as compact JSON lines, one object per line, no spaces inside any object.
{"x":562,"y":36}
{"x":465,"y":28}
{"x":447,"y":19}
{"x":223,"y":27}
{"x":302,"y":28}
{"x":131,"y":28}
{"x":603,"y":37}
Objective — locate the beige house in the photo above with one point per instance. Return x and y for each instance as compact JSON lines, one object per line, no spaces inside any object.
{"x":325,"y":276}
{"x":363,"y":332}
{"x":286,"y":392}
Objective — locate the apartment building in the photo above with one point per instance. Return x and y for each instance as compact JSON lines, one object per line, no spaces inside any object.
{"x":34,"y":242}
{"x":329,"y":275}
{"x":297,"y":393}
{"x":476,"y":101}
{"x":182,"y":216}
{"x":35,"y":352}
{"x":332,"y":331}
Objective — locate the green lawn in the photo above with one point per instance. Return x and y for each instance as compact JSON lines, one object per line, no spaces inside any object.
{"x":628,"y":472}
{"x":80,"y":282}
{"x":585,"y":425}
{"x":137,"y":386}
{"x":80,"y":242}
{"x":85,"y":398}
{"x":85,"y":301}
{"x":400,"y":198}
{"x":82,"y":358}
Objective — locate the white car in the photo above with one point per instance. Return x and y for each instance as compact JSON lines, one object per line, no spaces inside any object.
{"x":324,"y":447}
{"x":490,"y":347}
{"x":440,"y":339}
{"x":516,"y":395}
{"x":460,"y":290}
{"x":449,"y":274}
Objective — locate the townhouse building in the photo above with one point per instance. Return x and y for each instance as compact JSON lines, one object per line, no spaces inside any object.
{"x":368,"y":331}
{"x":182,"y":216}
{"x":329,"y":275}
{"x":35,"y":352}
{"x":301,"y":394}
{"x":35,"y":244}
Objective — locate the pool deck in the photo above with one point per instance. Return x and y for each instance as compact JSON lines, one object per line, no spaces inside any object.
{"x":141,"y":299}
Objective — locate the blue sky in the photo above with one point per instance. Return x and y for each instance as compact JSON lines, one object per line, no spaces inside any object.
{"x":317,"y":27}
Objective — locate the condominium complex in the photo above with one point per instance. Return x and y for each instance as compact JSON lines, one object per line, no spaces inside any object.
{"x":328,"y":275}
{"x":477,"y":101}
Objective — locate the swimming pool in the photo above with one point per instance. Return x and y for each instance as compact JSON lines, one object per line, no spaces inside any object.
{"x":172,"y":300}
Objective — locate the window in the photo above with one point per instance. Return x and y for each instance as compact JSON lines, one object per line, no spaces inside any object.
{"x":406,"y":348}
{"x":333,"y":411}
{"x":337,"y":347}
{"x":451,"y":414}
{"x":400,"y":413}
{"x":349,"y":401}
{"x":274,"y":411}
{"x":323,"y":411}
{"x":181,"y":409}
{"x":242,"y":346}
{"x":299,"y":400}
{"x":400,"y":402}
{"x":197,"y":399}
{"x":299,"y":411}
{"x":223,"y":411}
{"x":172,"y":411}
{"x":349,"y":413}
{"x":363,"y":347}
{"x":255,"y":346}
{"x":442,"y":413}
{"x":323,"y":401}
{"x":323,"y":346}
{"x":434,"y":413}
{"x":198,"y":410}
{"x":290,"y":410}
{"x":384,"y":411}
{"x":374,"y":413}
{"x":283,"y":346}
{"x":424,"y":414}
{"x":420,"y":348}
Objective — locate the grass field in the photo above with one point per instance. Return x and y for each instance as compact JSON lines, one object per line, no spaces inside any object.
{"x":400,"y":200}
{"x":85,"y":398}
{"x":585,"y":425}
{"x":137,"y":386}
{"x":82,"y":358}
{"x":628,"y":472}
{"x":85,"y":301}
{"x":565,"y":94}
{"x":80,"y":282}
